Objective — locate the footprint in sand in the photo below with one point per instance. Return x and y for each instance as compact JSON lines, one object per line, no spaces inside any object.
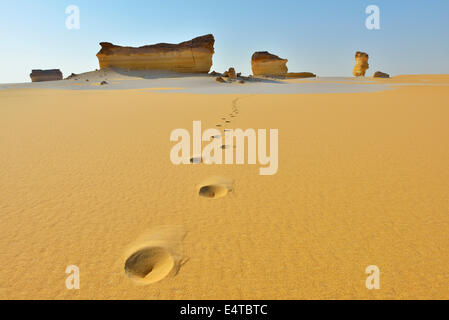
{"x":196,"y":160}
{"x":149,"y":265}
{"x":215,"y":188}
{"x":155,"y":255}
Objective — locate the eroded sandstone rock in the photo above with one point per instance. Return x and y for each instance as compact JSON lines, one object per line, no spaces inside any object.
{"x":300,"y":75}
{"x":230,"y":73}
{"x":264,"y":63}
{"x":193,"y":56}
{"x":379,"y":74}
{"x":361,"y":64}
{"x":45,"y":75}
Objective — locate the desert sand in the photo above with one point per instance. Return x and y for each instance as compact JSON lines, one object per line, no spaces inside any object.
{"x":86,"y":180}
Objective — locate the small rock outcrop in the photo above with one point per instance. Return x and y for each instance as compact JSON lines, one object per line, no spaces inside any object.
{"x":46,"y":75}
{"x":379,"y":74}
{"x":264,"y":63}
{"x":300,"y":75}
{"x":220,"y":79}
{"x":361,"y":64}
{"x":73,"y":75}
{"x":230,"y":73}
{"x":193,"y":56}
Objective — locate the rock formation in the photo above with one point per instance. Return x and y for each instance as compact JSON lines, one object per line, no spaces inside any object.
{"x":361,"y":64}
{"x":300,"y":75}
{"x":230,"y":73}
{"x":264,"y":63}
{"x":73,"y":75}
{"x":379,"y":74}
{"x":193,"y":56}
{"x":45,"y":75}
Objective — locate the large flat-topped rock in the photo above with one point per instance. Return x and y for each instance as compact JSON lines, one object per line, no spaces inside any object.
{"x":264,"y":63}
{"x":45,"y":75}
{"x":193,"y":56}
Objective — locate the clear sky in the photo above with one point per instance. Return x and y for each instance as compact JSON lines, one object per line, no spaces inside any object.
{"x":318,"y":36}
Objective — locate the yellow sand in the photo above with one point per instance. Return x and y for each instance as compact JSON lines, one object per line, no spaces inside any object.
{"x":363,"y":180}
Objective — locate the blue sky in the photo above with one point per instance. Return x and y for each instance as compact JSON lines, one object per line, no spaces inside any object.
{"x":318,"y":36}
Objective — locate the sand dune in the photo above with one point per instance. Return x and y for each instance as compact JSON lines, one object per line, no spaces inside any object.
{"x":363,"y":180}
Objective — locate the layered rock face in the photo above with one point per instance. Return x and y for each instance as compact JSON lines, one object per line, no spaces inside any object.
{"x":264,"y":63}
{"x":193,"y":56}
{"x":45,"y":75}
{"x":361,"y":64}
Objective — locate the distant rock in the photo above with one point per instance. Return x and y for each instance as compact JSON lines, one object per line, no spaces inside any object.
{"x":300,"y":75}
{"x":213,"y":73}
{"x":73,"y":75}
{"x":361,"y":64}
{"x":230,"y":73}
{"x":193,"y":56}
{"x":241,"y":81}
{"x":220,"y":79}
{"x":45,"y":75}
{"x":103,"y":83}
{"x":379,"y":74}
{"x":264,"y":63}
{"x":239,"y":74}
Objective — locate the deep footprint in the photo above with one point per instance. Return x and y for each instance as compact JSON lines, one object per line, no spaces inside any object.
{"x":214,"y":191}
{"x":196,"y":160}
{"x":149,"y":265}
{"x":215,"y":187}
